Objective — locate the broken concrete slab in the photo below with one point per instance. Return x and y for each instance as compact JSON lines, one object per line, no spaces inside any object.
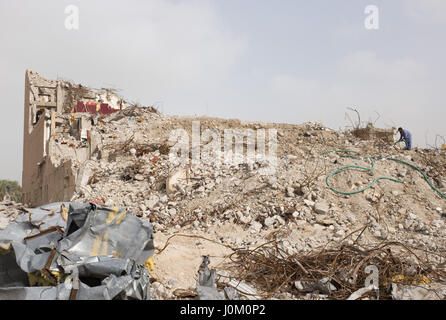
{"x":84,"y":175}
{"x":321,"y":208}
{"x":177,"y":177}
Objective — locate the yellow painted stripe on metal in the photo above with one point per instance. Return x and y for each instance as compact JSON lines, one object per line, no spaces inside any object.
{"x":121,"y":217}
{"x":58,"y":275}
{"x":150,"y":264}
{"x":112,"y":215}
{"x":96,"y":245}
{"x":64,"y":212}
{"x":104,"y":244}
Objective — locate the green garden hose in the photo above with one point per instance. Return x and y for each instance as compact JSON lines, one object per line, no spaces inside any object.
{"x":358,"y":167}
{"x":420,"y":171}
{"x":376,"y":179}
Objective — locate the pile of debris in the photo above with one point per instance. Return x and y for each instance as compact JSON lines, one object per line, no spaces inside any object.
{"x":340,"y":271}
{"x":9,"y":211}
{"x":129,"y":166}
{"x":123,"y":159}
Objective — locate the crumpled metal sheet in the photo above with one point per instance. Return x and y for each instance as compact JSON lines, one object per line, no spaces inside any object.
{"x":83,"y":251}
{"x":206,"y":288}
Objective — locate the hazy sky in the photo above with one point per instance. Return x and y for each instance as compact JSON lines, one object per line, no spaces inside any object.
{"x":277,"y":61}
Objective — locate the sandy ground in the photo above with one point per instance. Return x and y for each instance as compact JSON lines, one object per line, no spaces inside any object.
{"x":180,"y":260}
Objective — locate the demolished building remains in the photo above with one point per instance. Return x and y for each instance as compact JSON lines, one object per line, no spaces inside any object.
{"x":44,"y":179}
{"x":338,"y":201}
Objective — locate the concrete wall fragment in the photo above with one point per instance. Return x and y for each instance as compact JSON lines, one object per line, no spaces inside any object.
{"x":50,"y":170}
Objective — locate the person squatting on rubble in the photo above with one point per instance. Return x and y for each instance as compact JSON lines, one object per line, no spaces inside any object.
{"x":406,"y":136}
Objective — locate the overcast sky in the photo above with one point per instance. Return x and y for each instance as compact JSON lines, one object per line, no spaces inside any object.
{"x":286,"y":61}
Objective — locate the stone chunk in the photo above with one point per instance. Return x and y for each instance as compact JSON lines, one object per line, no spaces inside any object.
{"x":177,"y":177}
{"x":269,"y":222}
{"x":139,"y":177}
{"x":321,"y":208}
{"x":309,"y":203}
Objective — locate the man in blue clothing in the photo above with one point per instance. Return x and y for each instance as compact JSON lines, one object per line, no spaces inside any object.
{"x":406,"y":136}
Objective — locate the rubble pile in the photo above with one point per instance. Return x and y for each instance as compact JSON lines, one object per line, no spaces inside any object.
{"x":9,"y":211}
{"x":127,"y":165}
{"x":334,"y":271}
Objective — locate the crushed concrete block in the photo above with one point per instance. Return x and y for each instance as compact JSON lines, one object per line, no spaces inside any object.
{"x":84,"y":175}
{"x":340,"y":233}
{"x":152,"y":202}
{"x":269,"y":222}
{"x":243,"y":219}
{"x":3,"y":222}
{"x":139,"y":177}
{"x":256,"y":227}
{"x":290,"y":191}
{"x":309,"y":203}
{"x":177,"y":177}
{"x":321,"y":208}
{"x":438,"y":223}
{"x":350,"y":216}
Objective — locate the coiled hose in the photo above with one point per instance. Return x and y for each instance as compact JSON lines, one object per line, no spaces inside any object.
{"x":376,"y":179}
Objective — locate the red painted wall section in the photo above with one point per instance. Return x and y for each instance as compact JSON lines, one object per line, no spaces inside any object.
{"x":91,"y":107}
